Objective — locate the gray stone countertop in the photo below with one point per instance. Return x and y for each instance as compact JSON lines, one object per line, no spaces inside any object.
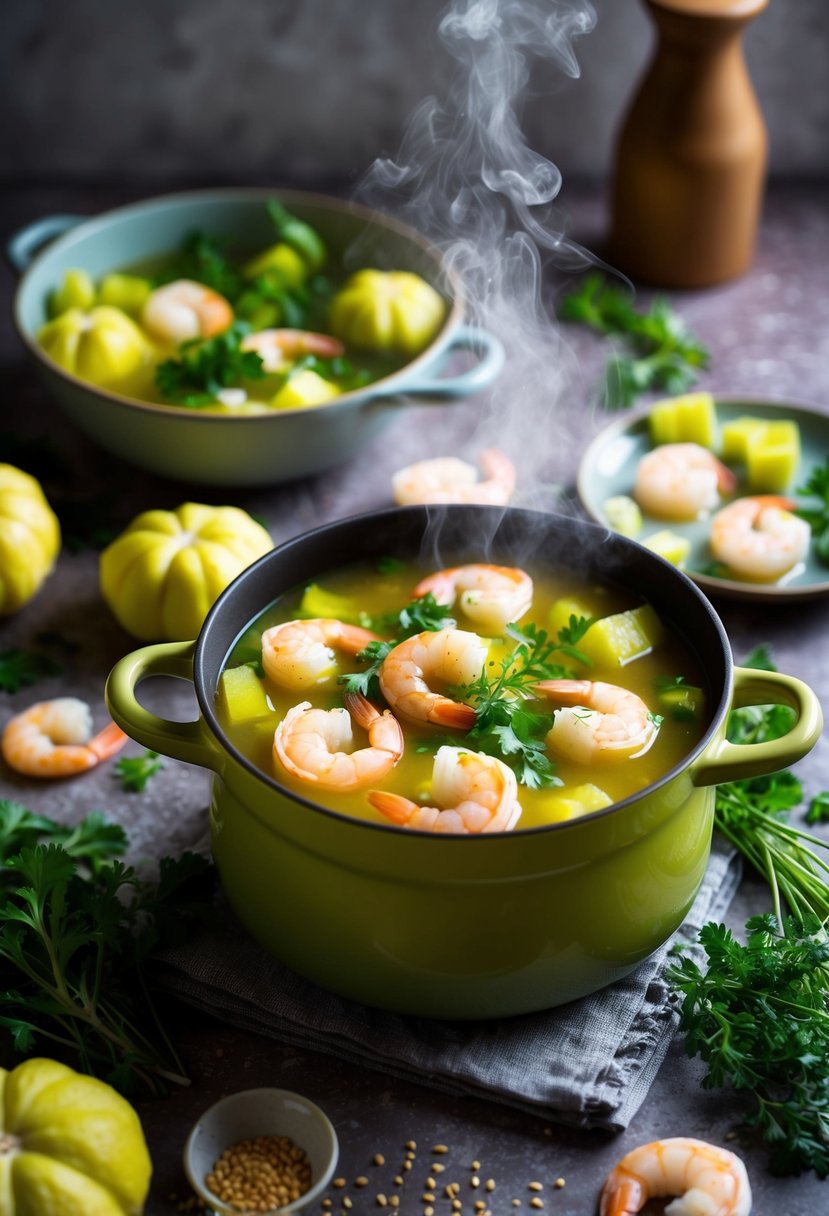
{"x":768,"y":334}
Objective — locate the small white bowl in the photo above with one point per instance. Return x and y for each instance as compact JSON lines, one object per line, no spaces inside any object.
{"x":261,"y":1112}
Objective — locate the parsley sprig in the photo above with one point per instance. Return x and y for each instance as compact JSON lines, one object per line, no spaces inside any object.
{"x":758,"y":1015}
{"x":661,"y":352}
{"x":509,"y":724}
{"x":135,"y":771}
{"x":418,"y":616}
{"x":816,"y":510}
{"x":203,"y":369}
{"x":21,"y":668}
{"x":76,"y":927}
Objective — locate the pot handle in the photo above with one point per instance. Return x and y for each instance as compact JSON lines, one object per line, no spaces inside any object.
{"x":734,"y":761}
{"x":491,"y":359}
{"x":22,"y":248}
{"x":188,"y":741}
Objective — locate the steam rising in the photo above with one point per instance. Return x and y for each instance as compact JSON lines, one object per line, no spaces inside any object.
{"x":465,"y":177}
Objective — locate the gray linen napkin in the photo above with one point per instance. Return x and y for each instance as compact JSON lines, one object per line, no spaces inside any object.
{"x":589,"y":1063}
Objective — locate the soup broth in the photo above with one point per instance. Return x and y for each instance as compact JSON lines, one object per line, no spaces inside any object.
{"x":370,"y":597}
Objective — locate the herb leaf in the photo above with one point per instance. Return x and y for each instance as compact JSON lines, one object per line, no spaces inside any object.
{"x":661,"y":353}
{"x":21,"y":668}
{"x":816,"y":513}
{"x":136,"y":771}
{"x":417,"y":616}
{"x":203,"y":369}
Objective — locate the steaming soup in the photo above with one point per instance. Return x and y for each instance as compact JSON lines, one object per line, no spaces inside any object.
{"x":629,"y":648}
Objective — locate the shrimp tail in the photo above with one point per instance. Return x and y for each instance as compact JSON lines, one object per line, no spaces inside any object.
{"x":453,"y":713}
{"x":394,"y":806}
{"x":107,"y":742}
{"x":566,"y":692}
{"x":624,"y":1198}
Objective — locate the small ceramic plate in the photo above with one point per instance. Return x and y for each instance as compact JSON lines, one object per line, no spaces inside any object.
{"x":607,"y":469}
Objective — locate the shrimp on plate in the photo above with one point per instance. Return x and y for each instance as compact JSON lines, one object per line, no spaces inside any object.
{"x":447,"y":479}
{"x":54,"y":739}
{"x":275,"y":347}
{"x":706,"y":1180}
{"x":450,"y":656}
{"x":317,"y":745}
{"x":491,"y":595}
{"x":302,"y":654}
{"x":681,"y":481}
{"x":597,"y":722}
{"x":184,"y":310}
{"x":759,"y":538}
{"x":474,"y":793}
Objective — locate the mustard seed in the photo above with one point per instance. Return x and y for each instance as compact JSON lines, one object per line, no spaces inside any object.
{"x":430,"y":1211}
{"x":411,"y":1145}
{"x":347,"y":1202}
{"x":338,"y":1182}
{"x":489,"y":1185}
{"x":535,"y":1202}
{"x":429,"y":1183}
{"x":437,"y":1167}
{"x":382,"y":1201}
{"x":559,"y":1183}
{"x":361,"y":1181}
{"x":394,"y":1201}
{"x":398,"y":1181}
{"x":439,"y":1148}
{"x":535,"y":1186}
{"x":474,"y":1180}
{"x":260,"y":1173}
{"x":379,"y":1159}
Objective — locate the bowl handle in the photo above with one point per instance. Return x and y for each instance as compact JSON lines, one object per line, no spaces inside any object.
{"x":491,"y":358}
{"x":734,"y":761}
{"x":24,"y":245}
{"x":187,"y":741}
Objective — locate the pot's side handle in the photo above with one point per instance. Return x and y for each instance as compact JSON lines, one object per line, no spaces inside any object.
{"x":491,"y":358}
{"x":187,"y":741}
{"x":22,"y":248}
{"x":735,"y":761}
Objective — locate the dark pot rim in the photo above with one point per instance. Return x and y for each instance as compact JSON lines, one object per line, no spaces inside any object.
{"x":455,"y":297}
{"x":592,"y":538}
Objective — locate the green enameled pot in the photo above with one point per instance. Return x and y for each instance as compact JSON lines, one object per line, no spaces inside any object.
{"x":463,"y":926}
{"x":242,"y":450}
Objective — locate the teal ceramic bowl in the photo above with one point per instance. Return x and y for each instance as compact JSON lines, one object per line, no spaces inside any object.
{"x":221,"y":449}
{"x":463,"y":926}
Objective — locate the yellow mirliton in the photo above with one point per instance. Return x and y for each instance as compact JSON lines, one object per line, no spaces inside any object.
{"x":162,"y":575}
{"x":69,"y":1145}
{"x":29,"y":538}
{"x":103,"y":345}
{"x":387,"y":310}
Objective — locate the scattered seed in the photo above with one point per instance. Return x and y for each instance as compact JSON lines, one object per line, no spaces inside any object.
{"x":559,"y":1183}
{"x":534,"y":1186}
{"x":489,"y":1185}
{"x":516,"y":1203}
{"x":338,"y":1182}
{"x":474,"y":1180}
{"x":394,"y":1201}
{"x":439,"y":1148}
{"x":479,"y":1205}
{"x":327,"y":1203}
{"x":379,"y":1159}
{"x":398,"y":1180}
{"x":411,"y":1145}
{"x":456,"y":1205}
{"x":437,"y":1167}
{"x":347,"y":1202}
{"x":382,"y":1201}
{"x":430,"y":1211}
{"x":361,"y":1181}
{"x":535,"y":1202}
{"x":476,"y":1165}
{"x":429,"y":1183}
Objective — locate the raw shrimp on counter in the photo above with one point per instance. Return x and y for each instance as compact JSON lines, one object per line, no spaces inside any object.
{"x":474,"y":793}
{"x":451,"y":656}
{"x":447,"y":479}
{"x":302,"y":654}
{"x":681,"y":481}
{"x":184,"y":310}
{"x":491,"y":595}
{"x":597,"y":722}
{"x":759,"y":538}
{"x":706,"y":1180}
{"x":275,"y":347}
{"x":315,"y":745}
{"x":54,"y":739}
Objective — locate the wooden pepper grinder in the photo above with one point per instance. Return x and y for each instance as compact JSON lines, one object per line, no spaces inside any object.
{"x":691,"y":157}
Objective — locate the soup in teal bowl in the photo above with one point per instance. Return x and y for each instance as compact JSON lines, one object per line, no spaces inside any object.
{"x":482,"y":923}
{"x":234,"y":447}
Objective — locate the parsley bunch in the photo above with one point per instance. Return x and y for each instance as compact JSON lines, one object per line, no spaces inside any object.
{"x":759,"y":1015}
{"x":507,"y":725}
{"x":76,"y":926}
{"x":662,"y":354}
{"x":816,"y":513}
{"x":203,"y":369}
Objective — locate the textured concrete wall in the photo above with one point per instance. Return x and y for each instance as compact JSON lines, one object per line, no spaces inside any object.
{"x":307,"y":89}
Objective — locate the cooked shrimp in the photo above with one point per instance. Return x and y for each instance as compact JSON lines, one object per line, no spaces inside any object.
{"x":448,"y":479}
{"x":54,"y":739}
{"x":451,"y":656}
{"x":185,"y":309}
{"x":759,"y":538}
{"x":707,"y":1180}
{"x":316,"y":745}
{"x":278,"y":346}
{"x":474,"y":793}
{"x":301,"y":654}
{"x":598,"y":722}
{"x":681,"y":481}
{"x":491,"y":595}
